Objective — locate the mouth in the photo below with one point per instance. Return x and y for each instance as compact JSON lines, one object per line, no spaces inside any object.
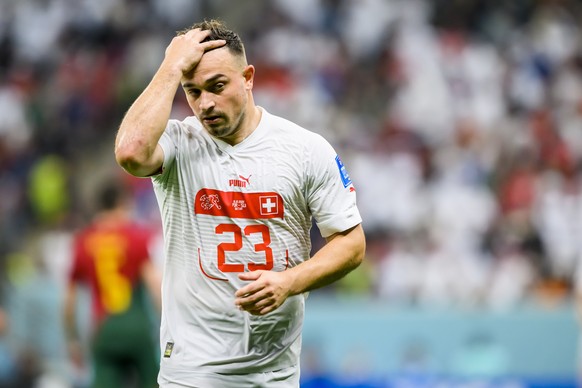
{"x":211,"y":119}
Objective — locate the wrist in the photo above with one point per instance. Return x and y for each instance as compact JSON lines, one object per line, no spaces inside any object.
{"x":293,"y":280}
{"x":170,"y":71}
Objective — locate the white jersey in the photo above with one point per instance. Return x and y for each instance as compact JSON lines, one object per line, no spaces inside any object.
{"x":229,"y":209}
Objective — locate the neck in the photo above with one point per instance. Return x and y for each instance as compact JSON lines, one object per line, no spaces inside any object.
{"x":112,"y":217}
{"x":248,"y":125}
{"x":255,"y":114}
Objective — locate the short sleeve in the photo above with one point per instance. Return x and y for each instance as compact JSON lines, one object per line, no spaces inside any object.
{"x":330,"y":192}
{"x":168,"y":142}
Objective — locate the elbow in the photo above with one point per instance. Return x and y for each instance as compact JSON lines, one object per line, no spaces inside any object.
{"x":130,"y":159}
{"x":126,"y":158}
{"x":358,"y":257}
{"x":360,"y":248}
{"x":354,"y":248}
{"x":353,"y":261}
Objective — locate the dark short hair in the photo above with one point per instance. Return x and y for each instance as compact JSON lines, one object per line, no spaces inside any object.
{"x":219,"y":30}
{"x":110,"y":196}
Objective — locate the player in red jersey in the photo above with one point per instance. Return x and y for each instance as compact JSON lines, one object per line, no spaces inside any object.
{"x":111,"y":258}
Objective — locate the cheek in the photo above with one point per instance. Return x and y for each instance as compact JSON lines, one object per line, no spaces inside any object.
{"x":232,"y":104}
{"x":241,"y":99}
{"x":193,"y":106}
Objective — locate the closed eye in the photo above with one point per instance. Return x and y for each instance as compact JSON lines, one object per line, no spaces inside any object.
{"x":193,"y":92}
{"x":213,"y":85}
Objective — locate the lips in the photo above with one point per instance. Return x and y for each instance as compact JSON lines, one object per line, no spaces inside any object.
{"x":211,"y":119}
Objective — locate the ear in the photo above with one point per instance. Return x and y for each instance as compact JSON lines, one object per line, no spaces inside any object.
{"x":249,"y":75}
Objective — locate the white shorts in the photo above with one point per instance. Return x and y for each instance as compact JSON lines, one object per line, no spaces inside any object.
{"x":284,"y":378}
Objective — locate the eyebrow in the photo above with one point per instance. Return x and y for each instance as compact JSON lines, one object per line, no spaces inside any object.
{"x":190,"y":84}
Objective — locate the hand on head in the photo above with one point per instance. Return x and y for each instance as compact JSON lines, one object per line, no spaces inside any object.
{"x":185,"y":51}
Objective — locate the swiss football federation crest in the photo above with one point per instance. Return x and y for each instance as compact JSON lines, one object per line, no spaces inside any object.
{"x":208,"y":201}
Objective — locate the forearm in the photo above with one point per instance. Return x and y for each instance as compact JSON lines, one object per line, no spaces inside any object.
{"x":145,"y":121}
{"x":267,"y":290}
{"x":342,"y":254}
{"x":136,"y":145}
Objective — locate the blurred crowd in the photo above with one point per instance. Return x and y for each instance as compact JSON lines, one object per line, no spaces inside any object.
{"x":460,"y":123}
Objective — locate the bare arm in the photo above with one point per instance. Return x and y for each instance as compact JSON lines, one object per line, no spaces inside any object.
{"x":268,"y":290}
{"x":136,"y":145}
{"x":69,"y":312}
{"x":74,"y":347}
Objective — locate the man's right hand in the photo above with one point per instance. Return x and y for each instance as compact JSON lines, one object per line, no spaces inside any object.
{"x":185,"y":51}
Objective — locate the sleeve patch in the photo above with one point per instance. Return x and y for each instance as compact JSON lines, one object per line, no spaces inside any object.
{"x":343,"y":172}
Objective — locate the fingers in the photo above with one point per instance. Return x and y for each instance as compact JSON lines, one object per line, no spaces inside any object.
{"x":253,"y":275}
{"x":203,"y":34}
{"x":252,"y":301}
{"x":212,"y":44}
{"x":248,"y":290}
{"x":200,"y":35}
{"x":185,"y":51}
{"x":259,"y":303}
{"x":266,"y":292}
{"x":254,"y":298}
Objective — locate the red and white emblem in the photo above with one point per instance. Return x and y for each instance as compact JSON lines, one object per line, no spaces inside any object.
{"x":269,"y":204}
{"x":208,"y":201}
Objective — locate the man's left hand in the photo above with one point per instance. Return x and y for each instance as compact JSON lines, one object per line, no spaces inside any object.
{"x":266,"y":292}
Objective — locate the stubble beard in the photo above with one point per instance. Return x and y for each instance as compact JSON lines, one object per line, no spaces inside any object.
{"x":229,"y":130}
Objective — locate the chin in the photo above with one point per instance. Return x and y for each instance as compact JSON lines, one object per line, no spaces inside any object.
{"x":220,"y":133}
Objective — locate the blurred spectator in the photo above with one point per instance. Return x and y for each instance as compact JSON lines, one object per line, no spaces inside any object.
{"x":48,"y":190}
{"x":34,"y":332}
{"x":399,"y":272}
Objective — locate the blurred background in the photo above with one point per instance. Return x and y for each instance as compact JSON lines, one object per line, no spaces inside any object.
{"x":459,"y":121}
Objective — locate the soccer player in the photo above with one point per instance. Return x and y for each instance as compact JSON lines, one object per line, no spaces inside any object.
{"x":237,"y":187}
{"x":111,"y":258}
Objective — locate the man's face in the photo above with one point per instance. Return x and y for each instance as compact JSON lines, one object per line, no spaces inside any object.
{"x":217,"y":91}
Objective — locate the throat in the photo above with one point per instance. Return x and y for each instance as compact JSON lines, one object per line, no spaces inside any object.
{"x":247,"y":125}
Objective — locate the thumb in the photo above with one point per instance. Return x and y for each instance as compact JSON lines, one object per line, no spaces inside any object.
{"x":253,"y":275}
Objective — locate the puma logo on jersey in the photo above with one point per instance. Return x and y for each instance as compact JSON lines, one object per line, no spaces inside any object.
{"x":242,"y":182}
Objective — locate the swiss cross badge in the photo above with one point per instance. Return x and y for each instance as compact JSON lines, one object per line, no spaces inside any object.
{"x":269,"y":204}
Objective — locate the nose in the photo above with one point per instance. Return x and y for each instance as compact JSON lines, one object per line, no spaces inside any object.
{"x":206,"y":102}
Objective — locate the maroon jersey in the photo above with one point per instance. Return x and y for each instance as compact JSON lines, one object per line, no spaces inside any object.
{"x":108,"y":258}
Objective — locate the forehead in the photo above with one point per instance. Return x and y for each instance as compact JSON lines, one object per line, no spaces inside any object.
{"x":217,"y":61}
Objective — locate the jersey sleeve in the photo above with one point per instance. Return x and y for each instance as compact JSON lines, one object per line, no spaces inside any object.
{"x":169,"y":141}
{"x":331,"y":195}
